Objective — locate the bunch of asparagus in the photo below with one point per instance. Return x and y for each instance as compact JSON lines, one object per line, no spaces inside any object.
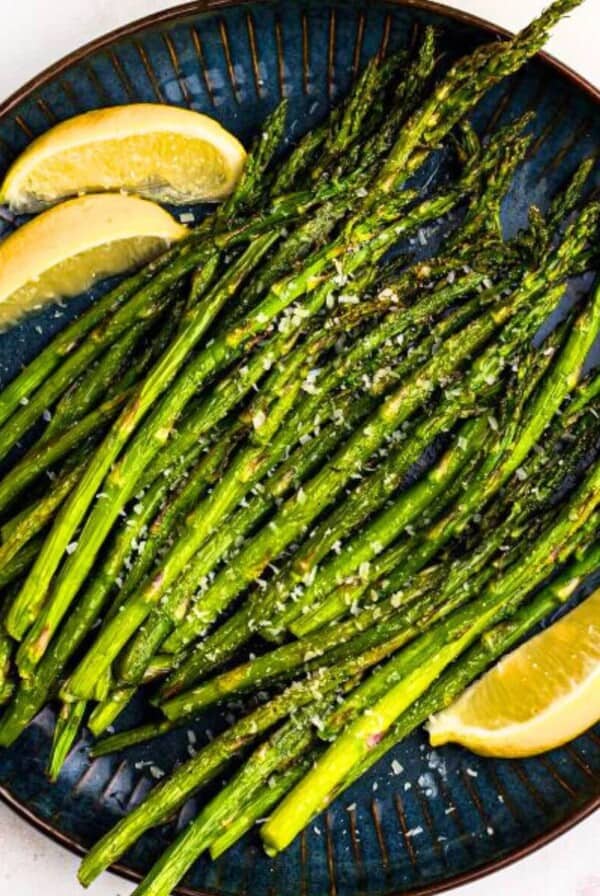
{"x":350,"y":457}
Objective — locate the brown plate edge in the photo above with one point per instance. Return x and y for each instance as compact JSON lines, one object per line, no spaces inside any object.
{"x":194,"y":7}
{"x":456,"y":880}
{"x":166,"y":16}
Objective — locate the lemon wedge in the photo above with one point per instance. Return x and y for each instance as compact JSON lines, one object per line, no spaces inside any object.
{"x":67,"y":248}
{"x":164,"y":153}
{"x":540,"y":696}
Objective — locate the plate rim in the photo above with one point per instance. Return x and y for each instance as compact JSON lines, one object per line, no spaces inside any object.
{"x":192,"y":7}
{"x":456,"y":880}
{"x":165,"y":16}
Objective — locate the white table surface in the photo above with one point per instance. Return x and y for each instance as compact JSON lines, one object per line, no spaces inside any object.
{"x":35,"y":33}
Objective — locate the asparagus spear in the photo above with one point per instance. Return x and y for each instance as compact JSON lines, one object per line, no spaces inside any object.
{"x":492,"y":644}
{"x":352,"y":365}
{"x":66,"y":342}
{"x":270,"y":756}
{"x":105,"y":712}
{"x":570,"y":198}
{"x":300,"y":463}
{"x":232,"y":389}
{"x":410,"y":555}
{"x":143,"y":304}
{"x":445,"y":586}
{"x":260,"y":804}
{"x":44,"y":454}
{"x":85,"y":393}
{"x":21,"y":562}
{"x":556,"y":386}
{"x":486,"y":369}
{"x":251,"y":184}
{"x":94,"y":320}
{"x":349,"y":411}
{"x":172,"y":792}
{"x":67,"y":726}
{"x":187,"y":547}
{"x":512,"y":449}
{"x":409,"y":673}
{"x":32,"y":695}
{"x":26,"y":525}
{"x":36,"y":587}
{"x":115,"y":743}
{"x":289,"y":740}
{"x":463,"y":578}
{"x":458,"y":92}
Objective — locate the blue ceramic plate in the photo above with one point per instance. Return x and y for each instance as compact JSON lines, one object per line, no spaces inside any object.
{"x":420,"y":820}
